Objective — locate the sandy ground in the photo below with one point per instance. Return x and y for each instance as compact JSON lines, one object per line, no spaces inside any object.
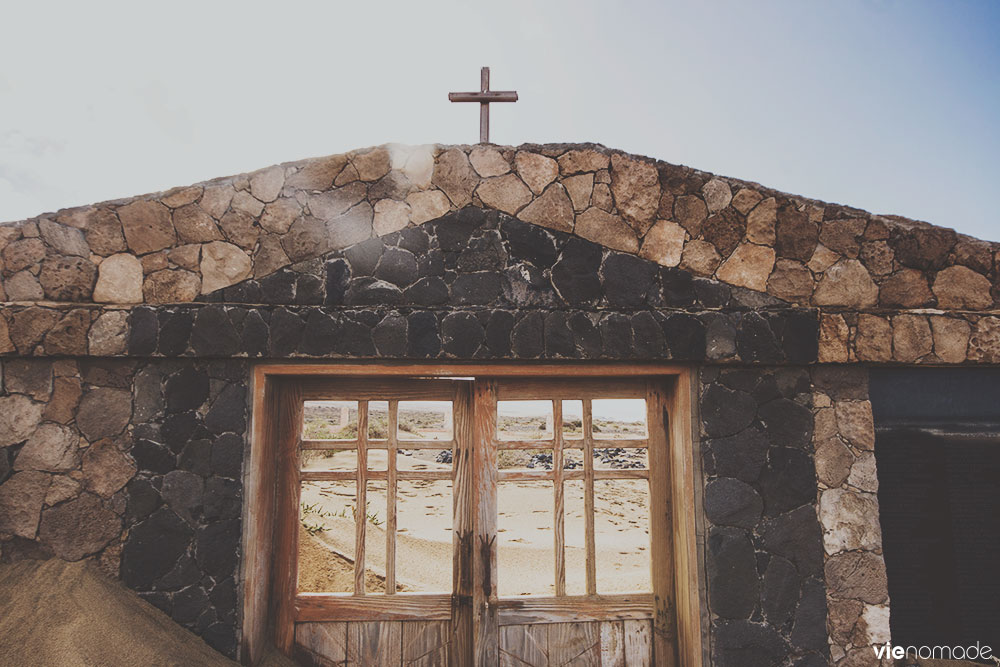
{"x":68,"y":614}
{"x":525,"y":537}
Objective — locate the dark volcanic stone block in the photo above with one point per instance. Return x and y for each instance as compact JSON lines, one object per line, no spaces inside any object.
{"x":616,"y":336}
{"x":461,"y":335}
{"x":733,"y":586}
{"x":498,"y":333}
{"x":338,"y":277}
{"x":627,"y":279}
{"x":756,"y":342}
{"x":141,"y":498}
{"x":809,"y":631}
{"x":423,"y":339}
{"x":217,"y":547}
{"x":397,"y":266}
{"x":725,"y":412}
{"x":278,"y":288}
{"x":389,"y":336}
{"x":228,"y":411}
{"x":152,"y":547}
{"x":796,"y":536}
{"x":747,"y":644}
{"x":559,"y":340}
{"x":799,"y":335}
{"x":320,"y":334}
{"x":213,"y":333}
{"x":186,"y":389}
{"x":529,"y":243}
{"x":676,"y":288}
{"x":286,"y":330}
{"x":780,"y":592}
{"x":575,"y":275}
{"x":143,"y":331}
{"x":227,"y":456}
{"x":175,"y":331}
{"x":476,"y":288}
{"x":355,"y":337}
{"x":741,"y":456}
{"x":363,"y":257}
{"x":527,"y":336}
{"x":730,"y":502}
{"x":586,"y":335}
{"x":685,"y":336}
{"x":253,"y":339}
{"x":428,"y":291}
{"x":788,"y":481}
{"x":787,"y":423}
{"x":152,"y":457}
{"x":372,"y":292}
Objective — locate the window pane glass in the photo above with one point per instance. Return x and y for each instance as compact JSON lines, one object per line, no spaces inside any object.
{"x":378,"y":420}
{"x":423,"y":459}
{"x":524,"y":459}
{"x":619,"y":418}
{"x":576,"y":538}
{"x":326,"y":537}
{"x":572,"y":420}
{"x":524,"y":420}
{"x":375,"y":516}
{"x":425,"y":420}
{"x":525,"y":539}
{"x":424,"y":536}
{"x":330,"y":420}
{"x":620,"y":458}
{"x":621,"y":535}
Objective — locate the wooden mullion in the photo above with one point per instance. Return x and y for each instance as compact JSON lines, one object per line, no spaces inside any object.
{"x":588,"y":496}
{"x":361,"y":500}
{"x":485,"y":618}
{"x":390,"y":502}
{"x":559,"y":499}
{"x":462,"y":645}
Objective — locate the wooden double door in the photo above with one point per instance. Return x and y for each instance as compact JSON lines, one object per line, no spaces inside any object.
{"x":473,"y":521}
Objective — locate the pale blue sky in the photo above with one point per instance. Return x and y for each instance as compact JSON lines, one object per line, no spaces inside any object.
{"x":891,"y":106}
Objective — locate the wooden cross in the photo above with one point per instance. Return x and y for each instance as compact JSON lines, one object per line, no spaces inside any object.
{"x":484,"y":97}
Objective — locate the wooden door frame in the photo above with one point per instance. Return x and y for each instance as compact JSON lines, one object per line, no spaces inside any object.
{"x":263,"y":584}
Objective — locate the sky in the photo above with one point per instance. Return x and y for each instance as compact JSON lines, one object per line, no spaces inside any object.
{"x":887,"y":105}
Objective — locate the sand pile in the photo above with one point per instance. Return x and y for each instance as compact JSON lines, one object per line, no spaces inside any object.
{"x":68,"y":614}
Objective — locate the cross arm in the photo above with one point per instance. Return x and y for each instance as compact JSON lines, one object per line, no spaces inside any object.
{"x":487,"y":97}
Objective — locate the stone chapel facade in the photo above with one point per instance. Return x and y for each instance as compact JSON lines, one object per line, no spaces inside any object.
{"x":130,"y":330}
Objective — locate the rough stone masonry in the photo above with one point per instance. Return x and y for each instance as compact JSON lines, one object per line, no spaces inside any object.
{"x":128,"y":330}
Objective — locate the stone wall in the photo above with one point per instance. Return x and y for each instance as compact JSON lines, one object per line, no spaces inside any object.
{"x":844,"y":442}
{"x":870,"y":275}
{"x":764,"y":553}
{"x":128,"y":328}
{"x":137,"y":465}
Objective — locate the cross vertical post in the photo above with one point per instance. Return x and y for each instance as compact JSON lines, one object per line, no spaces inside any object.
{"x":484,"y":97}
